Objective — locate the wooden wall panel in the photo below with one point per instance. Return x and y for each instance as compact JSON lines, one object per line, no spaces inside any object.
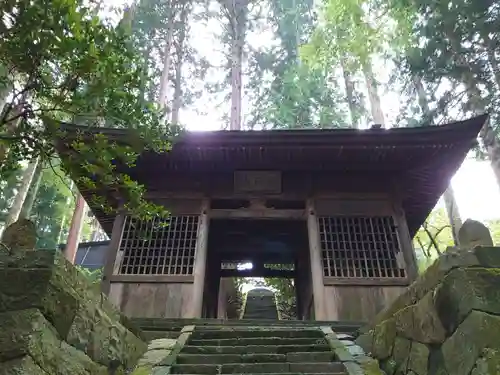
{"x":355,"y":303}
{"x":152,"y":300}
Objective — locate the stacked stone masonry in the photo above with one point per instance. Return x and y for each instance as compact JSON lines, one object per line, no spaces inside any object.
{"x":446,"y":323}
{"x":54,"y":322}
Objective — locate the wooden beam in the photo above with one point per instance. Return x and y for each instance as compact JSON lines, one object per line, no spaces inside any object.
{"x":170,"y":279}
{"x":257,"y":214}
{"x":365,"y":281}
{"x":316,"y":262}
{"x":257,"y":273}
{"x":112,"y":251}
{"x":200,"y":262}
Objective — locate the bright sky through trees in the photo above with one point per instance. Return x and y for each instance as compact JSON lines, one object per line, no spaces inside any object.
{"x":205,"y":116}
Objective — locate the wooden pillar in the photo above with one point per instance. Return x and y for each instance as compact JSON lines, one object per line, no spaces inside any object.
{"x":75,"y":229}
{"x":112,"y":251}
{"x":406,"y":243}
{"x":200,"y":262}
{"x":318,"y":287}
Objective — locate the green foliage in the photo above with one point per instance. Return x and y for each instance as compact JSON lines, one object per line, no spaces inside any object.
{"x":285,"y":296}
{"x":52,"y":207}
{"x":435,"y":236}
{"x":94,"y":276}
{"x":67,"y":64}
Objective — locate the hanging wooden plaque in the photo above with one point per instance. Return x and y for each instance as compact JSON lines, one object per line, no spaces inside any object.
{"x":257,"y":182}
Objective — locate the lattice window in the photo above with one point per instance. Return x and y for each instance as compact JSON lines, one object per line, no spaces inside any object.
{"x":160,"y":246}
{"x":360,"y":247}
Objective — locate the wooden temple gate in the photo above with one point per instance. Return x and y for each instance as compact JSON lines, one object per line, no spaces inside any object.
{"x":339,"y":208}
{"x":357,"y":252}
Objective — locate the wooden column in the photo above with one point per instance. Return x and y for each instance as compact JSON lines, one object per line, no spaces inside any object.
{"x":112,"y":251}
{"x":200,"y":262}
{"x":406,"y":244}
{"x":75,"y":229}
{"x":318,"y":287}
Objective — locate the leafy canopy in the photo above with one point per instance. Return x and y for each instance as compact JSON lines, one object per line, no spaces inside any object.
{"x":60,"y":62}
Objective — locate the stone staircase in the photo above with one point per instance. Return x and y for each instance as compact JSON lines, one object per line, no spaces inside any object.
{"x":256,"y":350}
{"x":155,"y":328}
{"x":260,"y":304}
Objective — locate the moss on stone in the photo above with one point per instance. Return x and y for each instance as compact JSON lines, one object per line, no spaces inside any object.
{"x":21,"y":366}
{"x":420,"y":322}
{"x":110,"y":341}
{"x":488,"y":256}
{"x":419,"y":358}
{"x":426,"y":283}
{"x":488,"y":363}
{"x":384,"y":336}
{"x":27,"y":332}
{"x":50,"y":295}
{"x":371,"y":367}
{"x":142,"y":370}
{"x":365,"y":340}
{"x":389,"y":366}
{"x":477,"y":332}
{"x":401,"y":352}
{"x":42,"y":289}
{"x":464,"y":290}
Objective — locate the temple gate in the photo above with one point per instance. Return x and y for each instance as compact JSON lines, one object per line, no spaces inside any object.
{"x":333,"y":209}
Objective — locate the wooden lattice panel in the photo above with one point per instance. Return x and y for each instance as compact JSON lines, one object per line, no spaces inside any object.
{"x":160,"y":246}
{"x":357,"y":246}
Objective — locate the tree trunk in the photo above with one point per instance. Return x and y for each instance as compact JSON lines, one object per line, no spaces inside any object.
{"x":423,"y":102}
{"x":165,"y":75}
{"x":349,"y":89}
{"x":32,"y":192}
{"x":75,"y":229}
{"x":177,"y":100}
{"x":236,"y":83}
{"x":5,"y":86}
{"x":453,"y":212}
{"x":373,"y":96}
{"x":15,"y":210}
{"x":4,"y":94}
{"x":11,"y":125}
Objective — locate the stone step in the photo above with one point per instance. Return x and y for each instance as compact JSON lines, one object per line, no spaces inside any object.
{"x":171,"y":324}
{"x":332,"y":368}
{"x":256,"y":332}
{"x":221,"y":359}
{"x":296,"y":373}
{"x":271,"y":349}
{"x":257,"y":341}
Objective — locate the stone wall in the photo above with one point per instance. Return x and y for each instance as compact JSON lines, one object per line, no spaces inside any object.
{"x":446,"y":323}
{"x":53,"y":321}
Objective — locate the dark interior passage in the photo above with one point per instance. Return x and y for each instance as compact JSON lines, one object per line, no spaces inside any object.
{"x":260,"y":242}
{"x":257,"y":248}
